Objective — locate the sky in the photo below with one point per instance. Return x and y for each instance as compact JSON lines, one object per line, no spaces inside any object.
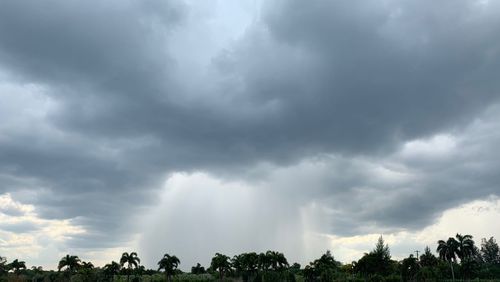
{"x":194,"y":127}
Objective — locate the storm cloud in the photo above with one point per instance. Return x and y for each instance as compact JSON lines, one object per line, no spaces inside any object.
{"x":348,"y":112}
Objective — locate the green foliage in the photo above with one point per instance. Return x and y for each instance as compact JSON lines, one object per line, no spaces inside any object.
{"x":198,"y":269}
{"x":428,"y":273}
{"x":322,"y":269}
{"x":71,"y":263}
{"x":169,"y":264}
{"x":382,"y":249}
{"x":393,"y":278}
{"x":276,"y":260}
{"x":469,"y":267}
{"x":182,"y":277}
{"x":459,"y":258}
{"x":462,"y":247}
{"x":466,"y":247}
{"x":17,"y":266}
{"x":221,"y":264}
{"x":489,"y":251}
{"x":376,"y":278}
{"x":377,"y":261}
{"x":409,"y":268}
{"x":269,"y":276}
{"x":187,"y":277}
{"x":132,"y":260}
{"x":428,"y":259}
{"x":112,"y":269}
{"x":294,"y":268}
{"x":246,"y":265}
{"x":448,"y":250}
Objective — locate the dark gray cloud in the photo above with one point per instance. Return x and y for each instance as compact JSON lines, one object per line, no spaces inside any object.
{"x":359,"y":77}
{"x":307,"y":79}
{"x":87,"y":56}
{"x":410,"y":188}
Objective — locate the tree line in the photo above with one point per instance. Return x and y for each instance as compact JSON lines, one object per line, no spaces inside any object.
{"x":458,"y":258}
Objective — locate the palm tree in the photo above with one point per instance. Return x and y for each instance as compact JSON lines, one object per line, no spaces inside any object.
{"x":17,"y":266}
{"x":86,"y":270}
{"x":87,"y":265}
{"x":220,"y":263}
{"x":132,"y":261}
{"x":448,"y":252}
{"x":70,"y":262}
{"x":466,"y":246}
{"x":277,"y":260}
{"x":170,"y":264}
{"x":251,"y":262}
{"x":263,"y":262}
{"x":238,"y":264}
{"x":112,"y":269}
{"x":245,"y":264}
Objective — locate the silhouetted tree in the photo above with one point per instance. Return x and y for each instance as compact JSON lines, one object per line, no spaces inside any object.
{"x":263,"y":262}
{"x":169,"y":264}
{"x":221,"y":264}
{"x":71,"y":263}
{"x":86,"y":270}
{"x":132,"y":261}
{"x":490,"y":251}
{"x":112,"y":269}
{"x":409,"y":268}
{"x":447,"y":251}
{"x":198,"y":269}
{"x":465,"y":246}
{"x":309,"y":273}
{"x":382,"y":249}
{"x":294,"y":268}
{"x":378,"y":261}
{"x":428,"y":258}
{"x":87,"y":265}
{"x":277,"y":260}
{"x":325,"y":266}
{"x":322,"y":268}
{"x":17,"y":266}
{"x":246,"y":264}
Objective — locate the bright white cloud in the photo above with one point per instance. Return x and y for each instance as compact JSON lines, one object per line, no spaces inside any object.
{"x":25,"y":235}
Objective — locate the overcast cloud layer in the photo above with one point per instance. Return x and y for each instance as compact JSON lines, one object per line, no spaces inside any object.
{"x":131,"y":124}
